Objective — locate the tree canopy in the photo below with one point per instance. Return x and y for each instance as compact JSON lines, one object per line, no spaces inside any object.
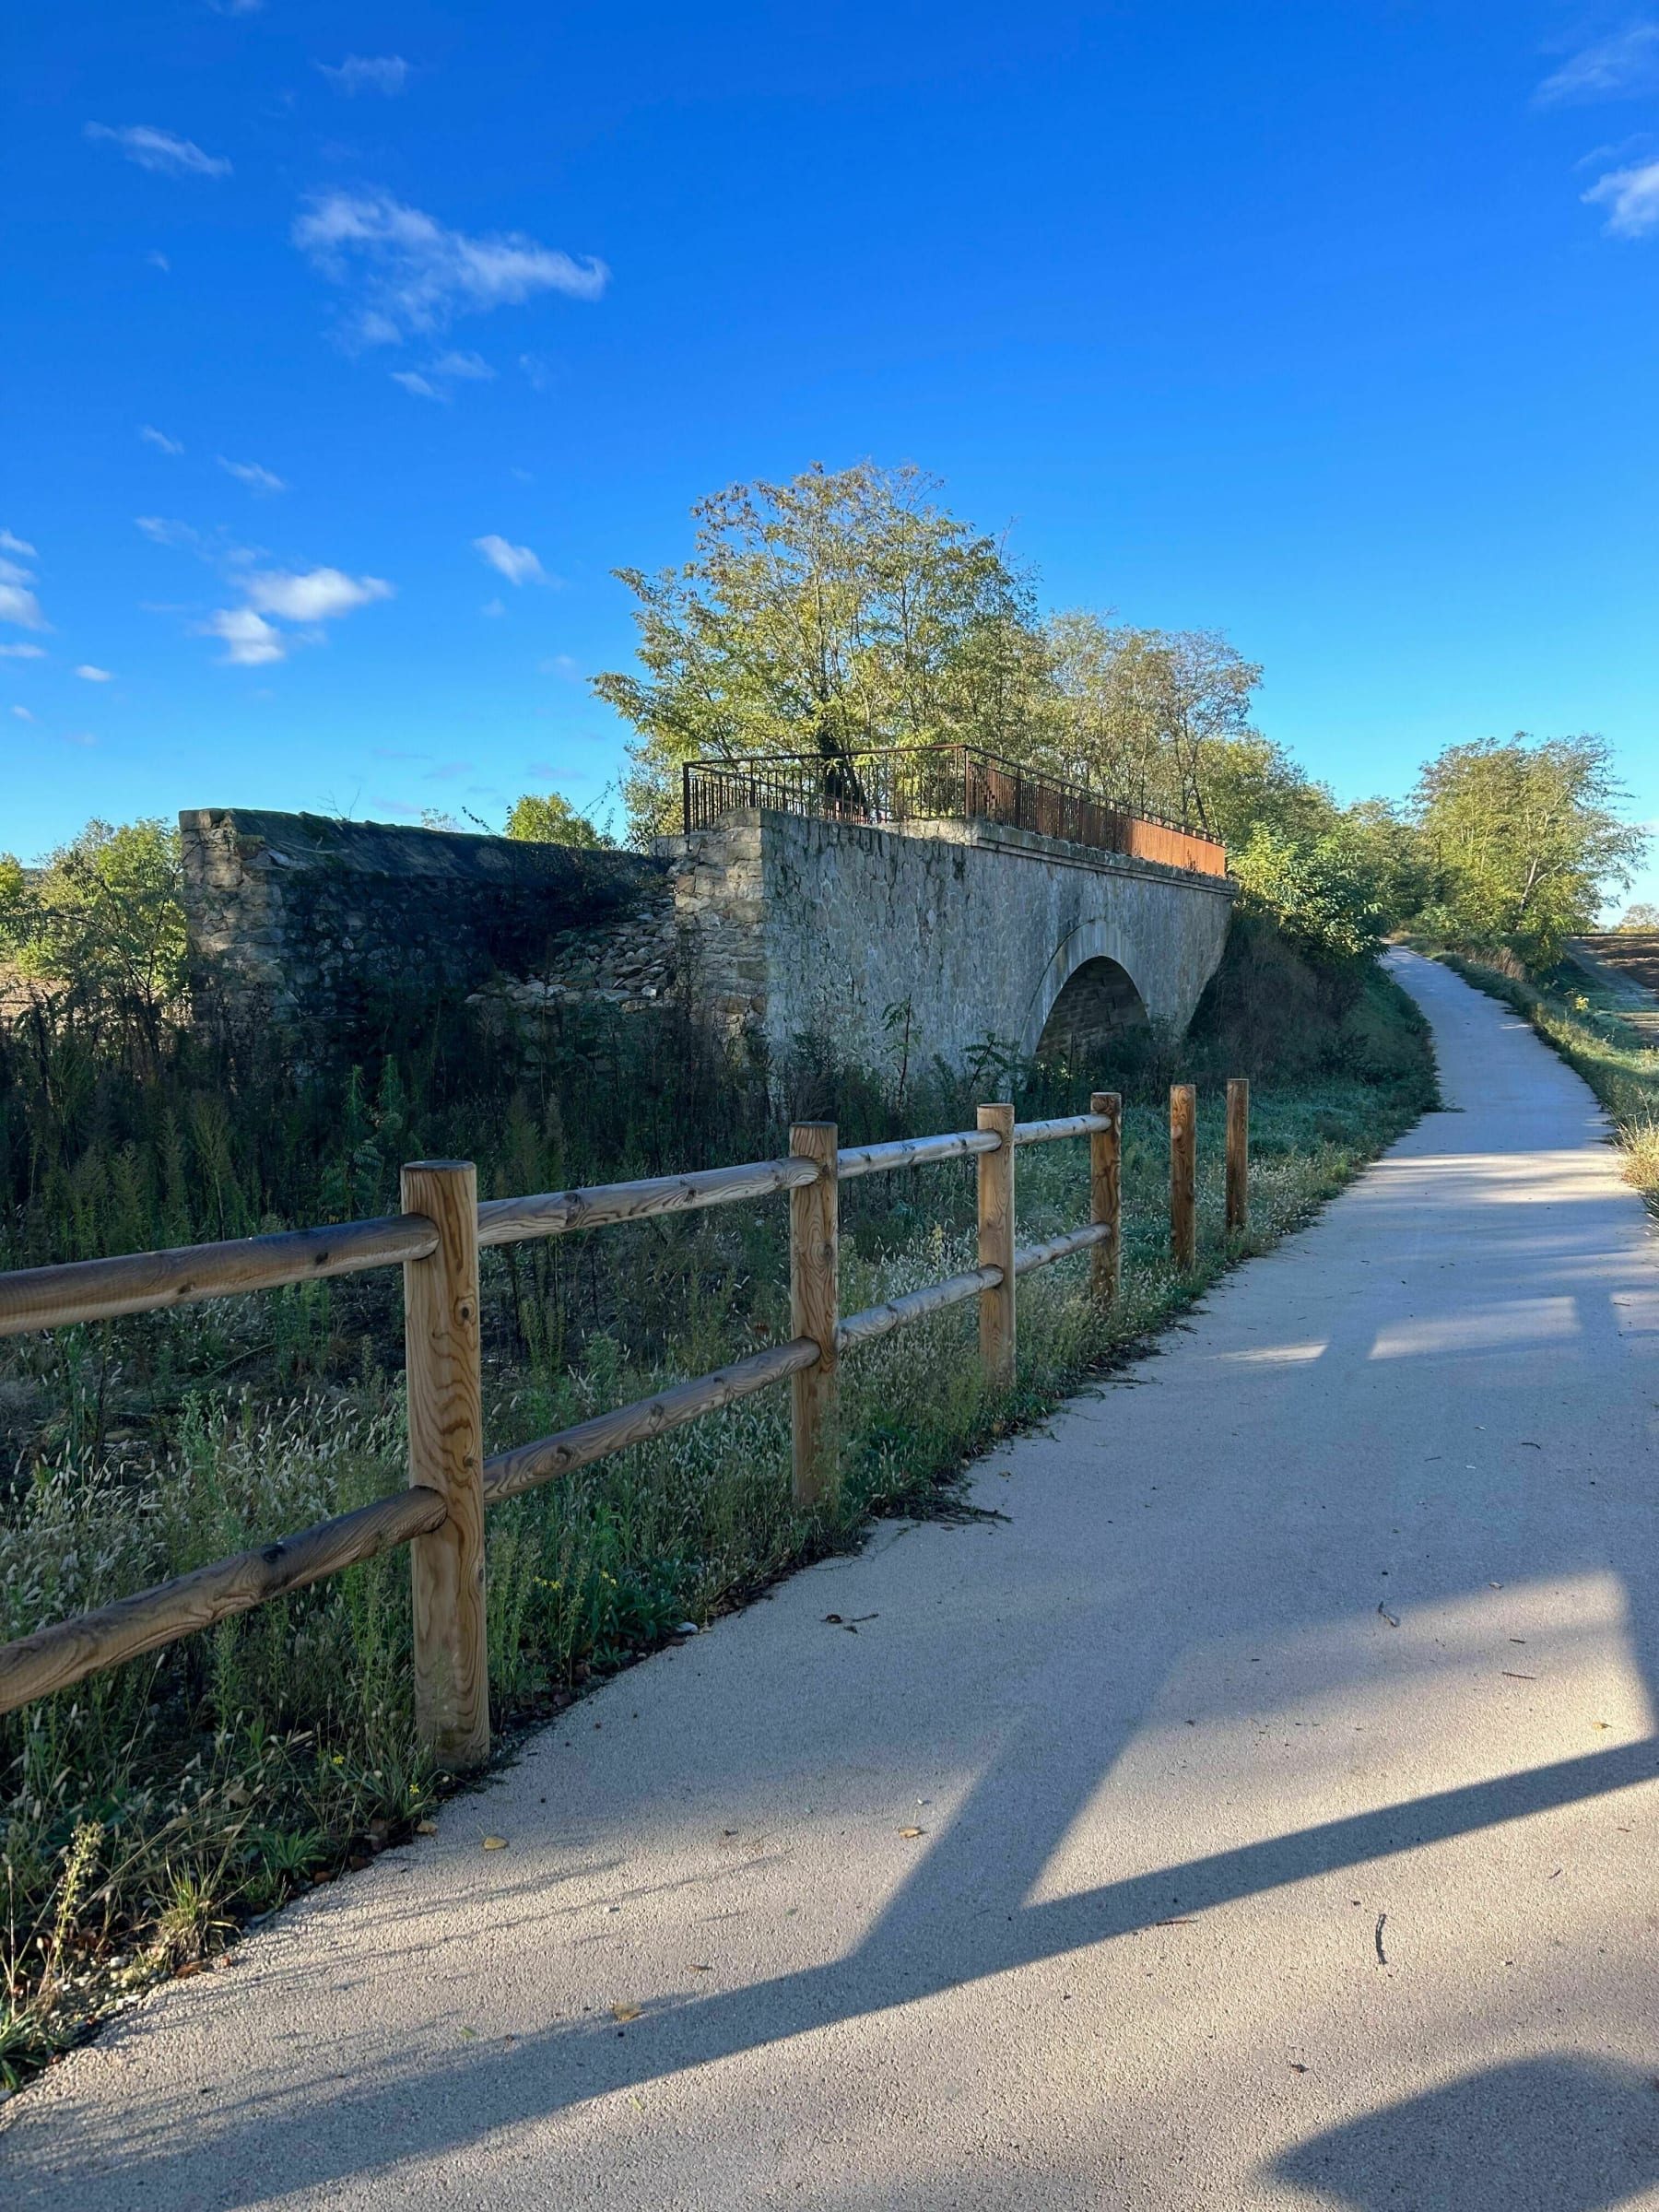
{"x":549,"y":819}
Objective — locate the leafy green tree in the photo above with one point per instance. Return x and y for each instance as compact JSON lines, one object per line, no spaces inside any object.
{"x":1527,"y":839}
{"x":1319,"y":891}
{"x":101,"y":924}
{"x":1643,"y":915}
{"x":841,"y":609}
{"x":550,"y":821}
{"x":1154,"y":717}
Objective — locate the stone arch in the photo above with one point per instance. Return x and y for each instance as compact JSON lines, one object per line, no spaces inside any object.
{"x":1096,"y":1003}
{"x":1096,"y":954}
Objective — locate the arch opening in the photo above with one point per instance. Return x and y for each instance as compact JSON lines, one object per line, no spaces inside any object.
{"x":1097,"y":1005}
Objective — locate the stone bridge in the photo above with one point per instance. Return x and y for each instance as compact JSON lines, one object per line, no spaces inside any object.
{"x":936,"y":937}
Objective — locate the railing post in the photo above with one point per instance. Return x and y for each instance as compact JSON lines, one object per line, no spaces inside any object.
{"x":1238,"y":1155}
{"x":446,"y":1455}
{"x":1106,"y":1195}
{"x":997,"y":1247}
{"x":815,"y":1312}
{"x":1183,"y":1176}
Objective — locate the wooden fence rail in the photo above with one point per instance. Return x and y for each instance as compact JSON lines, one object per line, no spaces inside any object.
{"x":437,"y":1240}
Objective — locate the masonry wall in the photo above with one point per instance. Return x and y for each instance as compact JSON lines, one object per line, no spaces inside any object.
{"x":790,"y":925}
{"x":301,"y":918}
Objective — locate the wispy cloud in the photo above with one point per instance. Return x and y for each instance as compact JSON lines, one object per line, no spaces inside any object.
{"x":318,"y":595}
{"x":440,"y":376}
{"x":415,"y":275}
{"x":1630,"y":197}
{"x":18,"y":605}
{"x":158,"y":260}
{"x":387,"y":72}
{"x":1619,"y":67}
{"x":249,"y":639}
{"x":493,"y":608}
{"x":517,"y":563}
{"x":560,"y":664}
{"x":160,"y":438}
{"x":22,"y":714}
{"x":93,"y":675}
{"x":235,"y":7}
{"x":252,"y":474}
{"x":161,"y":150}
{"x":23,"y":652}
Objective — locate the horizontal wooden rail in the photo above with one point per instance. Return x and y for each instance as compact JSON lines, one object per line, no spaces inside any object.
{"x":1060,"y":1248}
{"x":442,"y":1323}
{"x":510,"y":1473}
{"x":554,"y":1213}
{"x":876,"y":1321}
{"x":140,"y":1282}
{"x":913,"y":1152}
{"x":1070,"y":1124}
{"x":53,"y":1658}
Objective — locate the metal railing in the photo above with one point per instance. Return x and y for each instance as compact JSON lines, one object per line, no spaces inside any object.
{"x":436,"y":1240}
{"x":893,"y":788}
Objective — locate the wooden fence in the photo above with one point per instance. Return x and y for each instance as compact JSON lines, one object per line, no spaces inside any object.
{"x":437,"y":1238}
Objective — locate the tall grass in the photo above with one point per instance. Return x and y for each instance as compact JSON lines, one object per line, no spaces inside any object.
{"x":149,"y":1809}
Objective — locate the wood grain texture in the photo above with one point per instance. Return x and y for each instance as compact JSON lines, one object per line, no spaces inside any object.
{"x":1183,"y":1174}
{"x":1106,"y":1192}
{"x":143,"y":1282}
{"x":876,"y":1321}
{"x":814,"y":1313}
{"x":509,"y":1474}
{"x":997,"y":1247}
{"x":909,"y":1152}
{"x":1238,"y":1155}
{"x":52,"y":1658}
{"x":446,"y":1455}
{"x":1092,"y":1235}
{"x":556,"y":1213}
{"x":1048,"y":1133}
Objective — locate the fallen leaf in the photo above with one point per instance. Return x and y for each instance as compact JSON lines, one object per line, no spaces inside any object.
{"x":426,"y":1828}
{"x":495,"y":1842}
{"x":704,"y":1969}
{"x":1388,"y":1617}
{"x":1515,"y":1678}
{"x":1296,"y":2069}
{"x":1184,"y":1922}
{"x":625,"y":2012}
{"x":1601,"y":1723}
{"x":833,"y":1621}
{"x":913,"y":1832}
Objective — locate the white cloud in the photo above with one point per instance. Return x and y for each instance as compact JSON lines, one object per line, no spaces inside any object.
{"x":413,"y":381}
{"x":493,"y":608}
{"x":22,"y":714}
{"x":517,"y":563}
{"x":439,"y":374}
{"x":160,"y":532}
{"x":560,"y":664}
{"x":249,"y":639}
{"x":252,"y":474}
{"x":18,"y":605}
{"x":158,"y":260}
{"x":92,"y":675}
{"x":23,"y":652}
{"x":161,"y":150}
{"x":1632,"y":199}
{"x":415,"y":275}
{"x":317,"y":597}
{"x":151,"y":436}
{"x":387,"y":72}
{"x":1613,"y":68}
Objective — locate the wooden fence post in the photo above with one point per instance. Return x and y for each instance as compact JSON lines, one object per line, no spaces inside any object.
{"x":446,"y":1455}
{"x":1238,"y":1155}
{"x":1105,"y":1194}
{"x":997,"y":1247}
{"x":1183,"y":1176}
{"x":815,"y":1312}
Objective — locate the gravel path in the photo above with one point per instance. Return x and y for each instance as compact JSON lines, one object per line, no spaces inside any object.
{"x":1260,"y":1811}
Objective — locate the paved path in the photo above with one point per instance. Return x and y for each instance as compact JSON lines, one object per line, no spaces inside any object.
{"x":1325,"y":1638}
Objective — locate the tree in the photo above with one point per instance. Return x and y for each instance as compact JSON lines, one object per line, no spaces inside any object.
{"x":1319,"y":891}
{"x":102,"y":920}
{"x":1147,"y":716}
{"x":550,"y":821}
{"x":1526,"y":838}
{"x":1641,"y":916}
{"x":842,"y":609}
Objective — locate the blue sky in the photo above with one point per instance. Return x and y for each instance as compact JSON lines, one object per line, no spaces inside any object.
{"x":349,"y":349}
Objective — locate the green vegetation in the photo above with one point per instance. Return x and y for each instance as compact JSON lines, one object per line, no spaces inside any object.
{"x":151,"y":1809}
{"x":548,"y":820}
{"x":1594,"y":1032}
